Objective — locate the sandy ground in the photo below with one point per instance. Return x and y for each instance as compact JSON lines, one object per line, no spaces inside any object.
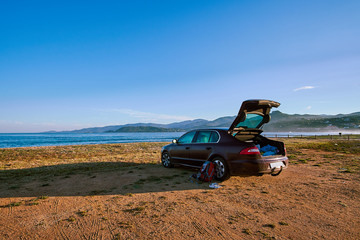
{"x":315,"y":198}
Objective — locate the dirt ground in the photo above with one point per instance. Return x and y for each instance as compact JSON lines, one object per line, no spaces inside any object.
{"x":120,"y":191}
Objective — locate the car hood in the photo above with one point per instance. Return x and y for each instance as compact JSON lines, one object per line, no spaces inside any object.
{"x":253,"y":114}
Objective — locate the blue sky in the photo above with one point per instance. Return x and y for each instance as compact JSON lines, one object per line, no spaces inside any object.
{"x":69,"y":65}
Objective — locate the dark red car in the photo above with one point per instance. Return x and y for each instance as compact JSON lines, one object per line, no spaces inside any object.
{"x":240,"y":150}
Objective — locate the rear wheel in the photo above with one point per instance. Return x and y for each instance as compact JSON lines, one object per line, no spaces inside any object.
{"x":166,"y":160}
{"x":222,"y":171}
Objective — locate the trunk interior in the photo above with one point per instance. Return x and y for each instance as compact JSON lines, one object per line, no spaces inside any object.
{"x":268,"y":144}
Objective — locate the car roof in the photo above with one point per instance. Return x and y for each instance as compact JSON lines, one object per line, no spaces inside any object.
{"x":210,"y":129}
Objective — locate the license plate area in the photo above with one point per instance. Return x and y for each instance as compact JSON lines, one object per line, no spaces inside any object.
{"x":276,"y":165}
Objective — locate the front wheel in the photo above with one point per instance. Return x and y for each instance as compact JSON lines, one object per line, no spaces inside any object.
{"x":166,"y":160}
{"x":222,"y":171}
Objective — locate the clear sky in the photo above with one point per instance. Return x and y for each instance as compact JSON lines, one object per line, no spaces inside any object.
{"x":66,"y":65}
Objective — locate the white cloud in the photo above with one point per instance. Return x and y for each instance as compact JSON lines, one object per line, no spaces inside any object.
{"x":308,"y":107}
{"x":303,"y":88}
{"x":147,"y":116}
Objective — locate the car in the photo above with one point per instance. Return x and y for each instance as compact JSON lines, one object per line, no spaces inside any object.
{"x":239,"y":150}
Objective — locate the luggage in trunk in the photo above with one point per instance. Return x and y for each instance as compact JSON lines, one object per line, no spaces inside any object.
{"x":264,"y":143}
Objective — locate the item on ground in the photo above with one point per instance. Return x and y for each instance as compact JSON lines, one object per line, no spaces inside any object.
{"x":214,"y":185}
{"x":206,"y":173}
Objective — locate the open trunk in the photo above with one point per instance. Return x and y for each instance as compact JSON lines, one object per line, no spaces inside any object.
{"x":273,"y":147}
{"x":266,"y":146}
{"x":247,"y":127}
{"x":252,"y":116}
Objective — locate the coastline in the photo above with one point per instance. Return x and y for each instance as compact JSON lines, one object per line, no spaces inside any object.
{"x":52,"y":139}
{"x":68,"y":139}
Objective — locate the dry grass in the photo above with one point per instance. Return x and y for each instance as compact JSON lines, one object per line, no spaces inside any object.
{"x":342,"y":155}
{"x":120,"y":191}
{"x":340,"y":146}
{"x":47,"y":162}
{"x":21,"y":158}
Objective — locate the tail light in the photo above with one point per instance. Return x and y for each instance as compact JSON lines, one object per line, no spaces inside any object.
{"x":250,"y":151}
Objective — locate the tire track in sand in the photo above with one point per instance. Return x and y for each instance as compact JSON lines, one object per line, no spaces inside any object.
{"x":57,"y":220}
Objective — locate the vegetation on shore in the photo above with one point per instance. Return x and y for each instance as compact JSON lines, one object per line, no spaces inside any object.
{"x":306,"y":122}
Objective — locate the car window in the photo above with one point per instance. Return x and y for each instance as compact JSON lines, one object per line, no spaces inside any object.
{"x":187,"y":137}
{"x":252,"y":121}
{"x":214,"y":137}
{"x":203,"y":137}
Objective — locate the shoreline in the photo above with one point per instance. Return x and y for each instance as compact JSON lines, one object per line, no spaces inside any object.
{"x":76,"y":145}
{"x":168,"y":140}
{"x":36,"y":140}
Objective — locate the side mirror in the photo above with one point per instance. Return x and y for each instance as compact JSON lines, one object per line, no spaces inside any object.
{"x":175,"y":141}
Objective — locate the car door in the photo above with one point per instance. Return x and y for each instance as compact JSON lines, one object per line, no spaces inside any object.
{"x":203,"y":145}
{"x":179,"y":152}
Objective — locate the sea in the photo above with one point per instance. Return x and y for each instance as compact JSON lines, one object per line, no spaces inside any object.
{"x":13,"y":140}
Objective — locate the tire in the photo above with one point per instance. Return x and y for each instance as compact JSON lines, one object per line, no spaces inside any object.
{"x":222,"y":172}
{"x":166,"y":160}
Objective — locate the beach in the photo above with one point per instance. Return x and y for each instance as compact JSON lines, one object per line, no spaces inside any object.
{"x":121,"y":191}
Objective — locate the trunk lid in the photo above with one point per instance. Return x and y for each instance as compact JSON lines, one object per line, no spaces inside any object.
{"x":253,"y":114}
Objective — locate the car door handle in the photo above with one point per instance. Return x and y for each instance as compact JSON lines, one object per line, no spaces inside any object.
{"x":187,"y":148}
{"x":208,"y":148}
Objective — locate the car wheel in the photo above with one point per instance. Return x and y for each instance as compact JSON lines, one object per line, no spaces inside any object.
{"x":222,"y":171}
{"x":166,"y":160}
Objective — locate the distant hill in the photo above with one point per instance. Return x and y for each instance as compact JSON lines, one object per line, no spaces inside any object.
{"x":145,"y":129}
{"x":296,"y":122}
{"x":280,"y":122}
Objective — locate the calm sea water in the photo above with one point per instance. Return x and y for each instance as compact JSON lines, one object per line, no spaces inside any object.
{"x":10,"y":140}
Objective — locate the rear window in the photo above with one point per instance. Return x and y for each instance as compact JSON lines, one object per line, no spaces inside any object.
{"x":252,"y":121}
{"x":203,"y":137}
{"x":207,"y":137}
{"x":214,"y":137}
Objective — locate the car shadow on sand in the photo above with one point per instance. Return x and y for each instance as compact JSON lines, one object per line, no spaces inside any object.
{"x":86,"y":179}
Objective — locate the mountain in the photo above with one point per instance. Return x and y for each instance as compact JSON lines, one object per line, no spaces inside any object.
{"x":280,"y":122}
{"x":296,"y":122}
{"x":180,"y":126}
{"x":145,"y":129}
